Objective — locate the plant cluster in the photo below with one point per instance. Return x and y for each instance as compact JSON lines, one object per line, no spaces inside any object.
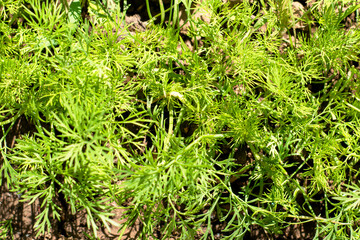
{"x":244,"y":120}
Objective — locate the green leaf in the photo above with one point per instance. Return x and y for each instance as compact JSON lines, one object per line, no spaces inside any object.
{"x":74,"y":14}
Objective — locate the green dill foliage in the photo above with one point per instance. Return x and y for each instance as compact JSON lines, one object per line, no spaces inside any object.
{"x":242,"y":120}
{"x":77,"y":102}
{"x":74,"y":163}
{"x":6,"y":229}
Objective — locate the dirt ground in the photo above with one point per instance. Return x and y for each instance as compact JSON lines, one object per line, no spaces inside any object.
{"x":24,"y":215}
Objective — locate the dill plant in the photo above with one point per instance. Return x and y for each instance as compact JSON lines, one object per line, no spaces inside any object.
{"x":232,"y":129}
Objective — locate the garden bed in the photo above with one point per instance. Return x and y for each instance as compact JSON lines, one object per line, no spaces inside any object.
{"x":206,"y":119}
